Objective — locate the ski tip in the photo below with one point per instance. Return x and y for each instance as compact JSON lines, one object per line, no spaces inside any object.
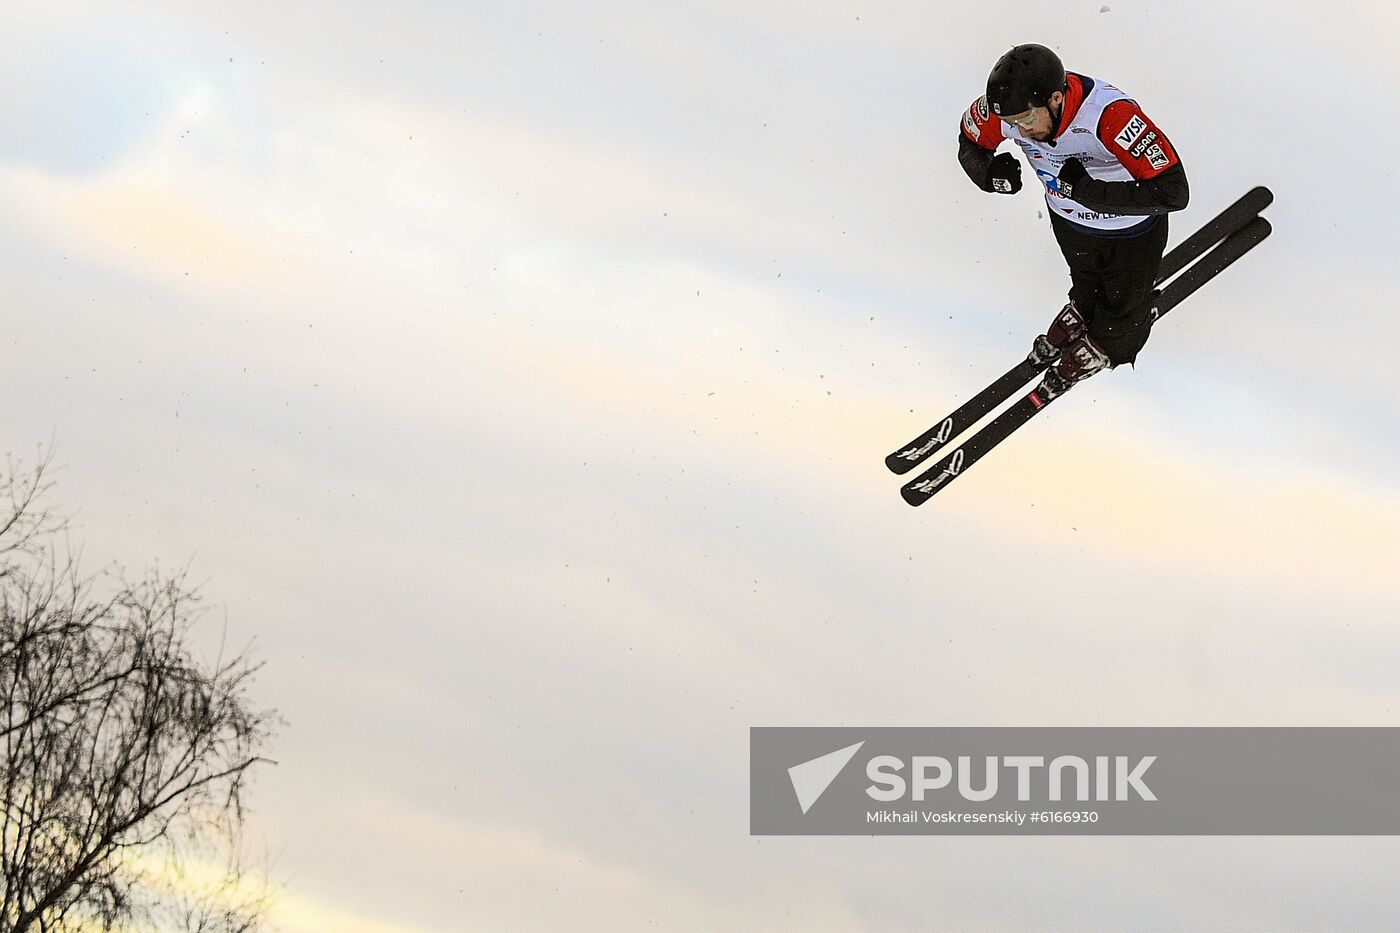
{"x":915,"y":499}
{"x":1256,"y":230}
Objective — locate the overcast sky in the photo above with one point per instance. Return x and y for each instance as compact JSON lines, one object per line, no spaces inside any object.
{"x":519,"y":379}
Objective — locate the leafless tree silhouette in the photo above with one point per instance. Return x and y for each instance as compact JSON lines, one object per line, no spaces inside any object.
{"x":125,"y":758}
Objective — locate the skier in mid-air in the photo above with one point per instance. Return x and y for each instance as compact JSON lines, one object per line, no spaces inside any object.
{"x":1110,"y":176}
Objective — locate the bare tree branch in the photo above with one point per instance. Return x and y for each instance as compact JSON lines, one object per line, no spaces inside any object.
{"x":122,"y":750}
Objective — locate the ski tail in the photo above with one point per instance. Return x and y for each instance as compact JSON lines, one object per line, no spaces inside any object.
{"x":937,"y":477}
{"x":923,"y":487}
{"x":968,"y":414}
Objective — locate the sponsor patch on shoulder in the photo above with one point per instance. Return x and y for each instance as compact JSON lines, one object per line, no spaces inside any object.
{"x":981,"y":105}
{"x":1143,"y":143}
{"x":970,"y":126}
{"x":1156,"y":157}
{"x":1130,"y":133}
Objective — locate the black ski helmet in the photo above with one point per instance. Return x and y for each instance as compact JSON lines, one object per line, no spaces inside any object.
{"x":1023,"y":78}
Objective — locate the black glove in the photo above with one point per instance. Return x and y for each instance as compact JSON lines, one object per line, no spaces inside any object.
{"x":1072,"y":173}
{"x":1004,"y":177}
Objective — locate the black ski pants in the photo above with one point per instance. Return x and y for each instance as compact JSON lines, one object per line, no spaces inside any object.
{"x":1111,"y":282}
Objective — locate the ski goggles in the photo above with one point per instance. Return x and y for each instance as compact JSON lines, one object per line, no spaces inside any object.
{"x":1025,"y":122}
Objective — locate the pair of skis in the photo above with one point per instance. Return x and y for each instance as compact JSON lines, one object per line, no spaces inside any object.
{"x":1234,"y":232}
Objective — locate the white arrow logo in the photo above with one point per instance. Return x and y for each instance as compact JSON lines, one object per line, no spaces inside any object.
{"x":811,"y":778}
